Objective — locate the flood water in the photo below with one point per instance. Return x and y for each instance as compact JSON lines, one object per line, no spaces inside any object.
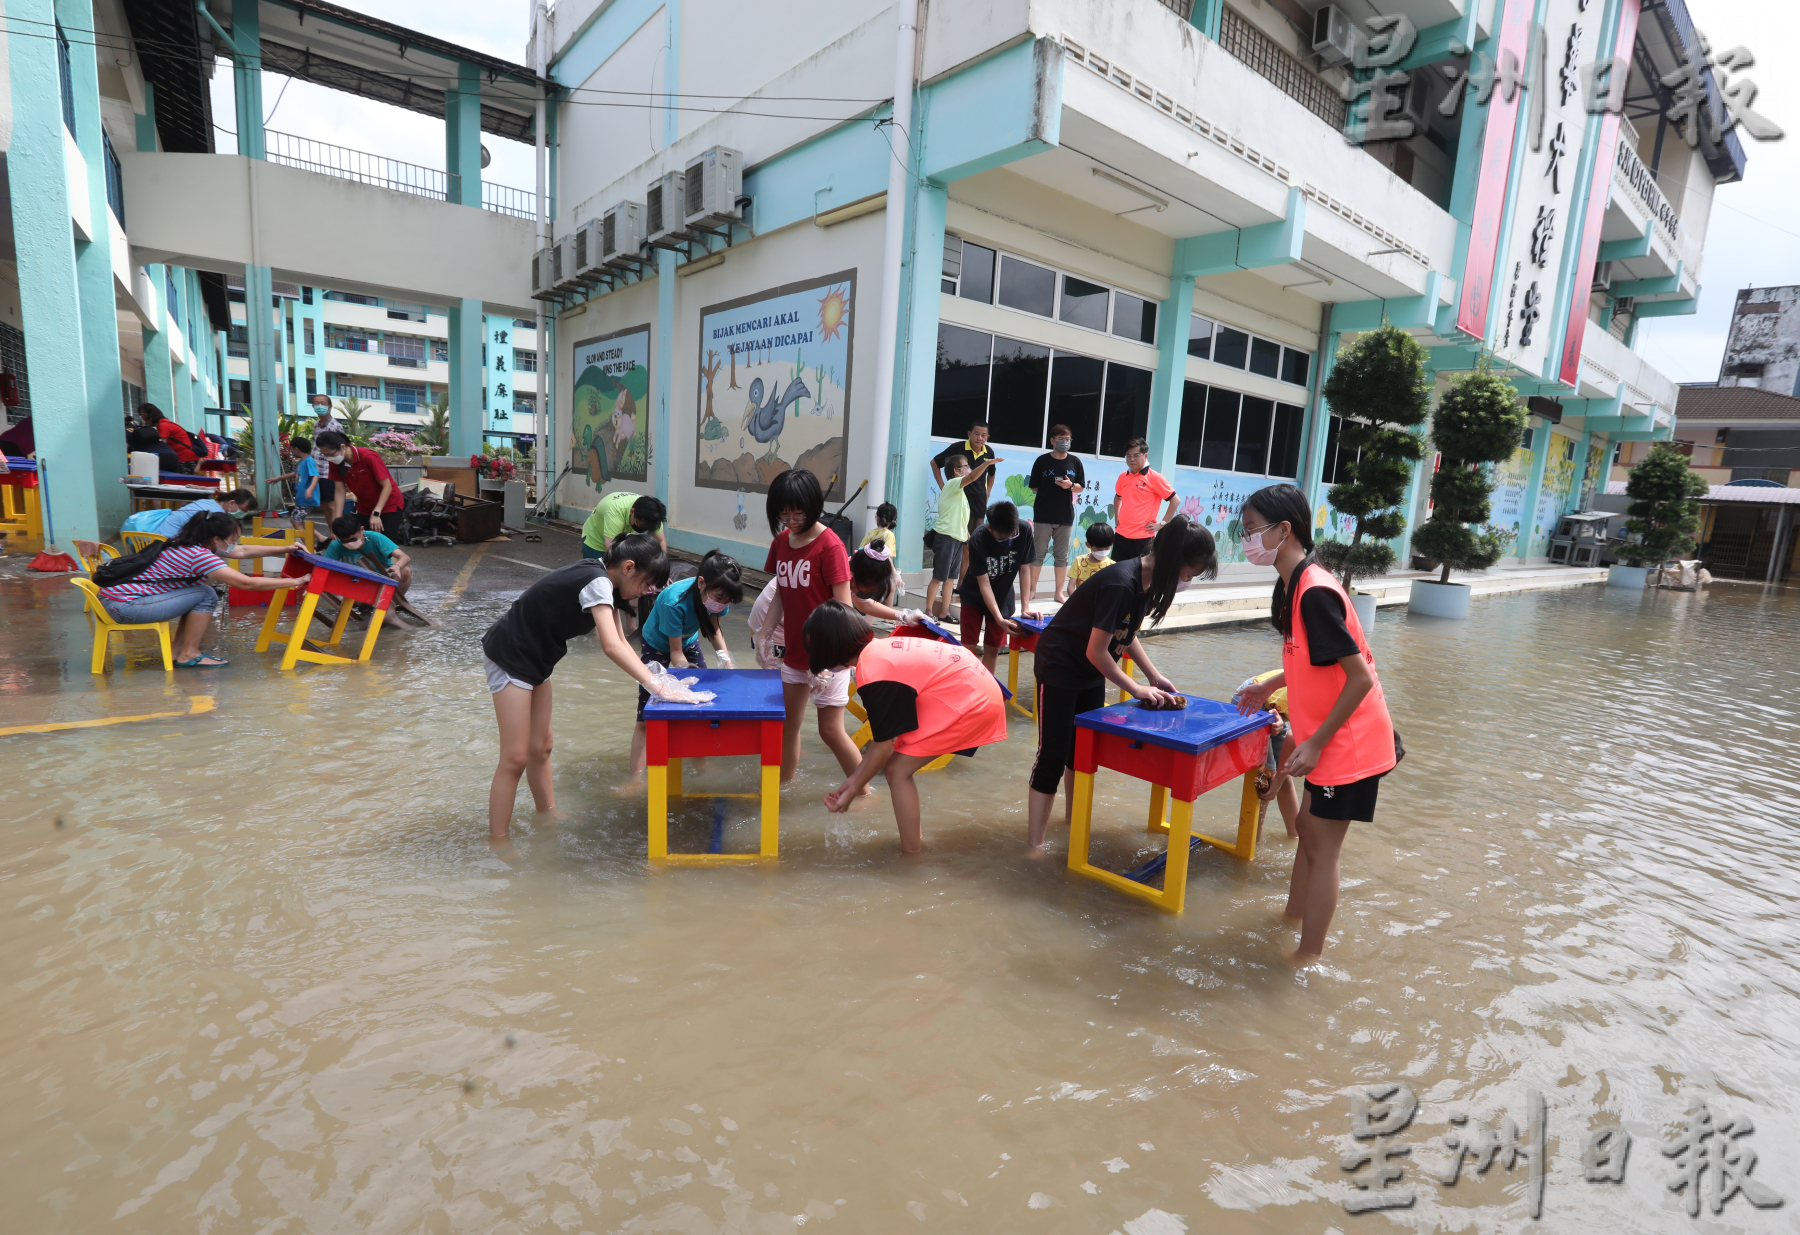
{"x":263,"y":973}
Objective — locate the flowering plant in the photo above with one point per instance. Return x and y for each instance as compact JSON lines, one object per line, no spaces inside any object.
{"x":490,"y":467}
{"x":395,"y":446}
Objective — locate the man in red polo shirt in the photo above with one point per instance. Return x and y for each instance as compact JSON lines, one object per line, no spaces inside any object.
{"x":170,"y":432}
{"x":1139,"y":489}
{"x":366,"y":475}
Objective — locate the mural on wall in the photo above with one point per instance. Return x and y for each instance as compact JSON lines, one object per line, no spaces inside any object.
{"x":609,"y":427}
{"x":1595,"y":474}
{"x":1554,"y":494}
{"x":774,"y":386}
{"x":1511,"y":480}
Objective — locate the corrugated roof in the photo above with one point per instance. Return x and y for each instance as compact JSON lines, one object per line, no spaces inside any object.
{"x":1709,"y":403}
{"x":1756,"y":495}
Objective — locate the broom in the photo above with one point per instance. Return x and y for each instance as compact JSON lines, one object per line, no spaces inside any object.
{"x":49,"y":559}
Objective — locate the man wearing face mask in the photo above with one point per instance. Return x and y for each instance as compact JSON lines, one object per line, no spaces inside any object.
{"x":1055,"y":480}
{"x":364,"y":473}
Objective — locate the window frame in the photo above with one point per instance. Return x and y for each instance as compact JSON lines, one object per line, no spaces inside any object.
{"x":953,"y":287}
{"x":1283,"y":351}
{"x":1205,"y":394}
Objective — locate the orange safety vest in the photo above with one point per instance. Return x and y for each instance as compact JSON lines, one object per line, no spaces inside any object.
{"x":959,"y":701}
{"x":1364,"y":745}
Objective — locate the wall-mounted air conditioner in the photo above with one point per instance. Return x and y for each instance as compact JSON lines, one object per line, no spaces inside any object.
{"x":590,"y":267}
{"x":543,"y":274}
{"x":1334,"y":36}
{"x":622,"y":235}
{"x":662,"y":210}
{"x":565,"y":262}
{"x":715,"y":181}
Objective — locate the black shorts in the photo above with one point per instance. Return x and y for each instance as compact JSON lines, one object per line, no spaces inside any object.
{"x":1124,"y":548}
{"x":1354,"y":802}
{"x":1057,"y":708}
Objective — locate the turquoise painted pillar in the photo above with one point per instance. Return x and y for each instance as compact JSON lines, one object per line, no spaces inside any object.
{"x":1167,"y":387}
{"x":915,"y":369}
{"x":48,"y":301}
{"x":462,"y":136}
{"x":462,"y":160}
{"x":1541,"y":438}
{"x":1312,"y":468}
{"x":466,"y":379}
{"x":259,"y":291}
{"x":146,"y":121}
{"x":159,"y":377}
{"x":662,"y":454}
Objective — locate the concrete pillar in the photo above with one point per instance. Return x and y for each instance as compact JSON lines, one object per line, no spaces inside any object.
{"x":661,"y":455}
{"x":466,"y":380}
{"x":159,"y":377}
{"x":462,"y":137}
{"x":259,"y":312}
{"x":1541,"y":438}
{"x":1318,"y":422}
{"x":146,"y":121}
{"x":1167,"y":388}
{"x":915,"y":370}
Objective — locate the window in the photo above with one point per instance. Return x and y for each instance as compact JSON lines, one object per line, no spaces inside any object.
{"x":1284,"y":440}
{"x":960,"y":395}
{"x":306,"y":295}
{"x":66,"y":76}
{"x":1028,"y":288}
{"x":312,"y":382}
{"x":1337,"y":461}
{"x":1084,"y":303}
{"x":237,"y":341}
{"x":346,"y":339}
{"x":404,"y":351}
{"x":977,"y":282}
{"x":347,"y":385}
{"x":1525,"y":442}
{"x":1193,"y":422}
{"x":1021,"y":378}
{"x":1255,"y":418}
{"x":307,"y":336}
{"x":524,"y":323}
{"x":174,"y":306}
{"x":1231,"y":347}
{"x":1265,"y":357}
{"x":1200,"y":336}
{"x":240,"y":392}
{"x":1296,"y":366}
{"x":1239,"y":349}
{"x":1231,"y":432}
{"x":115,"y":178}
{"x":1127,"y":407}
{"x":1218,"y":441}
{"x":524,"y":361}
{"x":353,"y":298}
{"x":1134,"y":318}
{"x":1075,"y":386}
{"x":524,"y":405}
{"x":406,"y":396}
{"x":12,"y":359}
{"x":440,"y":349}
{"x":290,"y":332}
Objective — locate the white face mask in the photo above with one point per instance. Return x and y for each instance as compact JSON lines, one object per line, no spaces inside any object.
{"x":1256,"y":551}
{"x":334,"y":458}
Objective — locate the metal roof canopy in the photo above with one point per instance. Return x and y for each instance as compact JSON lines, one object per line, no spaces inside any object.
{"x":373,"y":59}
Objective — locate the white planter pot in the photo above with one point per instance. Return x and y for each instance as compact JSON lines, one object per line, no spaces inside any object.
{"x":1365,"y":609}
{"x":1444,"y":600}
{"x":1631,"y":578}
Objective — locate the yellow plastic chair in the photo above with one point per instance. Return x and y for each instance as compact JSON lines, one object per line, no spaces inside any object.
{"x":105,"y":627}
{"x":137,"y":542}
{"x":92,"y":553}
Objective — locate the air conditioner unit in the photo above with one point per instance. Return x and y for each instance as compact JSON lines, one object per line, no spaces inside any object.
{"x":590,"y":267}
{"x":715,"y":181}
{"x":543,"y":274}
{"x":565,"y":263}
{"x":1334,"y":36}
{"x":622,"y":235}
{"x":662,"y":210}
{"x":1419,"y":100}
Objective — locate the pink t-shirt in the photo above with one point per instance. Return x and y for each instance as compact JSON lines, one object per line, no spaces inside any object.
{"x":1140,"y":493}
{"x":803,"y":578}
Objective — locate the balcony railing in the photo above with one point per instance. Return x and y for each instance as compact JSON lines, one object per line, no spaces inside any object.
{"x":385,"y":173}
{"x":1261,"y":53}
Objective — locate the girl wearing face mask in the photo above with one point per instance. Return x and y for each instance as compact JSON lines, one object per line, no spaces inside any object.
{"x":682,"y":613}
{"x":1343,"y":736}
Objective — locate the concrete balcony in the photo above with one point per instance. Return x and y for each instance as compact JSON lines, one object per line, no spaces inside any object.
{"x":1671,"y":257}
{"x":378,"y":365}
{"x":1608,"y":368}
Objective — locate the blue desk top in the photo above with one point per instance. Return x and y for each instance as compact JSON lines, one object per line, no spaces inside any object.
{"x":343,"y":568}
{"x":17,"y":464}
{"x":942,"y":632}
{"x":1202,"y":725}
{"x":1036,"y":626}
{"x":743,"y":694}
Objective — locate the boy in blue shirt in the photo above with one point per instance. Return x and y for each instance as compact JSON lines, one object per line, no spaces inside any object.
{"x":312,"y":488}
{"x":355,"y":543}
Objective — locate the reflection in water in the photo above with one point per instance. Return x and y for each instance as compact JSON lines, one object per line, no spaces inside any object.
{"x":269,"y":976}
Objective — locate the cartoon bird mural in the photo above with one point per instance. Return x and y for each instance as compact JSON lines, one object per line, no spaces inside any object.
{"x":764,"y":421}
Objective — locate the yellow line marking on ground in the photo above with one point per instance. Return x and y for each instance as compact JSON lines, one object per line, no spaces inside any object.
{"x":462,"y":580}
{"x":197,"y":704}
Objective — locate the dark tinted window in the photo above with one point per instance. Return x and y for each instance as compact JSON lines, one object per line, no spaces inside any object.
{"x":1231,"y":347}
{"x":1296,"y":367}
{"x":1127,"y":408}
{"x":1200,"y":336}
{"x":948,"y":286}
{"x":1193,"y":423}
{"x":977,"y":274}
{"x":1219,"y":441}
{"x":1265,"y":357}
{"x":1134,"y":318}
{"x":1075,"y":399}
{"x":1016,"y":407}
{"x":1083,"y":303}
{"x":1284,"y":441}
{"x":1027,"y":287}
{"x":960,"y":395}
{"x":1253,"y":435}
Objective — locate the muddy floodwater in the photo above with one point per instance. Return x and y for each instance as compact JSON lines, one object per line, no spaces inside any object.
{"x":263,"y":973}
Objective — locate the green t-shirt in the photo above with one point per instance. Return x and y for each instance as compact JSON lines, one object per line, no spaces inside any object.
{"x":382,"y":547}
{"x":953,"y":509}
{"x":610,"y":519}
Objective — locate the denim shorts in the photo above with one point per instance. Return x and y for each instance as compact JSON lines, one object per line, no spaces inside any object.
{"x":163,"y":606}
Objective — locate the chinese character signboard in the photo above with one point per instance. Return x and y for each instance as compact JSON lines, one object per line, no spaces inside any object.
{"x":1480,"y":268}
{"x":610,"y":424}
{"x":775,"y":385}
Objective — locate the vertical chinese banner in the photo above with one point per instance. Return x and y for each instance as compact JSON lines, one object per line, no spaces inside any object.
{"x":1496,"y":168}
{"x":1599,"y":190}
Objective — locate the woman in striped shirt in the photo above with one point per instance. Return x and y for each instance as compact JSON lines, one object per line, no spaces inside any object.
{"x":176,"y":585}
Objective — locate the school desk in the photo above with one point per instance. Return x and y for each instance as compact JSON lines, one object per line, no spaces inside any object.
{"x":267,"y":537}
{"x":745,"y":718}
{"x":21,"y":511}
{"x":1182,"y":754}
{"x":1026,"y":642}
{"x":350,"y":584}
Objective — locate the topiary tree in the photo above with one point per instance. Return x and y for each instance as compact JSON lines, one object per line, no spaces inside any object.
{"x":1664,"y":513}
{"x":1380,"y":389}
{"x":1478,"y":421}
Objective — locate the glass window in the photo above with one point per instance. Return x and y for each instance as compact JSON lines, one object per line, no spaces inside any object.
{"x":947,"y":286}
{"x":1284,"y":441}
{"x":1265,"y":357}
{"x":1029,"y":288}
{"x":1200,"y":337}
{"x":1296,"y":366}
{"x":1253,"y":435}
{"x":1219,"y":440}
{"x":959,"y":397}
{"x":1231,"y":347}
{"x":1127,"y":407}
{"x":1075,"y":399}
{"x":1084,"y":303}
{"x":978,"y":274}
{"x":1193,"y":422}
{"x":1016,"y":406}
{"x":1134,"y":318}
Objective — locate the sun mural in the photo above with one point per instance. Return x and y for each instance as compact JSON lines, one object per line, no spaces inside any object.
{"x":834,"y":307}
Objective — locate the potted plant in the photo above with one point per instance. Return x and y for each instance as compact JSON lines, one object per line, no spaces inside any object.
{"x":1478,"y":422}
{"x":1380,"y":389}
{"x":400,"y":450}
{"x":1664,"y":515}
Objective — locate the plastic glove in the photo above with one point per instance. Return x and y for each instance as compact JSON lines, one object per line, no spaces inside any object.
{"x":670,"y":689}
{"x":822,"y":679}
{"x":912,"y":617}
{"x":725,"y":659}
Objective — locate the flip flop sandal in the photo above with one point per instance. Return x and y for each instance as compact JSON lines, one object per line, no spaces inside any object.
{"x":196,"y":663}
{"x":533,"y":536}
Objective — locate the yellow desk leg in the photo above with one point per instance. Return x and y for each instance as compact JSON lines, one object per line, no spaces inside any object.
{"x":856,"y":709}
{"x":659,"y":814}
{"x":368,"y":643}
{"x":1158,"y":797}
{"x":1081,"y":820}
{"x":296,"y":641}
{"x":1174,"y":889}
{"x":343,"y":620}
{"x":267,"y":635}
{"x":1249,"y":823}
{"x":675,"y":786}
{"x":771,"y":810}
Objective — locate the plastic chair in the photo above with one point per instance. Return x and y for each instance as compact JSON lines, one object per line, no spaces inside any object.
{"x":105,"y":627}
{"x":92,"y":553}
{"x":137,"y":542}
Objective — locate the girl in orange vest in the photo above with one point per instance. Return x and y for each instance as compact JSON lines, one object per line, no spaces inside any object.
{"x":924,"y":699}
{"x":1343,"y":737}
